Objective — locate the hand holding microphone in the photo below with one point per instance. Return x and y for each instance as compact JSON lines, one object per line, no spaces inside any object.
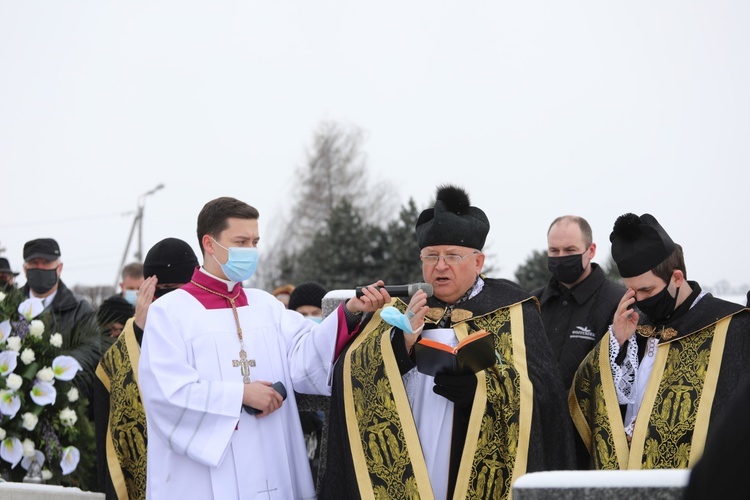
{"x":370,"y":298}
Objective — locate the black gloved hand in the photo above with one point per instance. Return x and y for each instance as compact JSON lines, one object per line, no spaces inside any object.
{"x":458,"y":388}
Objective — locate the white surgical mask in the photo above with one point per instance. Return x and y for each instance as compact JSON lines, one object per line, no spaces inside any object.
{"x":131,"y":296}
{"x":241,"y":263}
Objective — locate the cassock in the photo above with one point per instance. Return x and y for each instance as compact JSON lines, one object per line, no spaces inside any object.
{"x":695,"y":363}
{"x":120,"y":419}
{"x":382,"y":422}
{"x":201,"y":443}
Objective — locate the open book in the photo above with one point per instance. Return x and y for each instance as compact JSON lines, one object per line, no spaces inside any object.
{"x":473,"y":354}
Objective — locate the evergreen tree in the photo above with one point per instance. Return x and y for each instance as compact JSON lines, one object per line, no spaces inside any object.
{"x":401,"y":257}
{"x":611,"y":271}
{"x":533,"y":273}
{"x":347,"y":252}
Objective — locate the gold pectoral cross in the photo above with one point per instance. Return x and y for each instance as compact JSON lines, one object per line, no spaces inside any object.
{"x":244,"y":365}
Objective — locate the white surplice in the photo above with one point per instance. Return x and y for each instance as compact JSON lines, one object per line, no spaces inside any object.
{"x":201,"y":444}
{"x":433,"y":415}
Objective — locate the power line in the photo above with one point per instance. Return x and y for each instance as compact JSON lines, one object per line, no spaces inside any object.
{"x":72,"y":219}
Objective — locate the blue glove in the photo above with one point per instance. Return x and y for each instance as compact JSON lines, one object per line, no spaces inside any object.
{"x":394,"y":317}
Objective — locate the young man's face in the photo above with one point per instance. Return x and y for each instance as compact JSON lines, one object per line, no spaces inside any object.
{"x":645,"y":285}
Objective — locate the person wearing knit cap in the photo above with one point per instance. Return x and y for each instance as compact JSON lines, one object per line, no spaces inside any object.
{"x":113,"y":313}
{"x":7,"y":275}
{"x":120,"y":418}
{"x":457,"y":434}
{"x":649,"y":394}
{"x":307,"y":299}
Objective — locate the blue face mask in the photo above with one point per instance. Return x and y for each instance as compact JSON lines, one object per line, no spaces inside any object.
{"x":241,"y":263}
{"x":317,"y":319}
{"x":131,"y":296}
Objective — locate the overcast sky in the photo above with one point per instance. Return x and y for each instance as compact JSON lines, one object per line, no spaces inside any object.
{"x":538,"y":109}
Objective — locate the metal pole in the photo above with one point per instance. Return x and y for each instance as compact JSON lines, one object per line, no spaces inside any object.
{"x":137,"y":221}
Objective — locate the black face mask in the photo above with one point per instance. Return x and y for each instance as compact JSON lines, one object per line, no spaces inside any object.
{"x":41,"y":281}
{"x":566,"y":269}
{"x":660,"y":306}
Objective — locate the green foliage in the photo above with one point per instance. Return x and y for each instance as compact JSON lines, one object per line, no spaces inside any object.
{"x":533,"y":273}
{"x":611,"y":271}
{"x":348,"y":251}
{"x":401,"y":262}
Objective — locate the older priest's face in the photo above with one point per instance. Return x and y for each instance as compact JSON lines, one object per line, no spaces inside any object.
{"x":454,"y":271}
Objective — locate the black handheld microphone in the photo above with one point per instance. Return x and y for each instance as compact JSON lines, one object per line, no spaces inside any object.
{"x":278,"y":387}
{"x":400,"y":290}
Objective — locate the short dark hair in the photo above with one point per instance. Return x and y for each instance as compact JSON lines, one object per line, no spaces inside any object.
{"x":588,"y":234}
{"x":676,"y":260}
{"x":132,"y":270}
{"x":213,"y":217}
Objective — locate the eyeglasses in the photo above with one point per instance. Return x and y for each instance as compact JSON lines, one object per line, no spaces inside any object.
{"x":450,"y":259}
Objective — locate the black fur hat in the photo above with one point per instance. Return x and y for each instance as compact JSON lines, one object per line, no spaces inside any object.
{"x":453,"y":221}
{"x":639,"y":244}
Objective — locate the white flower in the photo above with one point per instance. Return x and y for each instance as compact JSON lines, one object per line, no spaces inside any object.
{"x":28,"y":356}
{"x":46,"y":475}
{"x":2,"y":296}
{"x":38,"y":457}
{"x":46,"y":374}
{"x":36,"y":328}
{"x":56,"y":340}
{"x":2,"y":433}
{"x":31,"y":308}
{"x":29,"y":450}
{"x":29,"y":421}
{"x":14,"y":343}
{"x":70,"y":459}
{"x":11,"y":451}
{"x":43,"y":393}
{"x":65,"y":367}
{"x":5,"y":329}
{"x":14,"y":382}
{"x":10,"y":403}
{"x":73,"y":395}
{"x":68,"y":417}
{"x":8,"y":361}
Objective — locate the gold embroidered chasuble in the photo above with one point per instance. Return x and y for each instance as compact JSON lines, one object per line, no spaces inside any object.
{"x":388,"y":459}
{"x":673,"y":419}
{"x":126,"y":432}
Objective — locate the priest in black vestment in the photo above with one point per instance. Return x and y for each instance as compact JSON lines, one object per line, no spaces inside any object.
{"x":395,"y":432}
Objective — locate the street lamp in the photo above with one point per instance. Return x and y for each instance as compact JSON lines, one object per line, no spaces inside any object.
{"x":137,"y":221}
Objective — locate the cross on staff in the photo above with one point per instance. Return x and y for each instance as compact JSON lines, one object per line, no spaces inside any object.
{"x":244,"y":365}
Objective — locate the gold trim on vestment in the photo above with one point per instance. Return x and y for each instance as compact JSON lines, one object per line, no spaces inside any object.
{"x":643,"y":419}
{"x":527,"y":391}
{"x":616,"y":426}
{"x":134,"y":351}
{"x":475,"y":425}
{"x":707,"y":396}
{"x":408,"y":425}
{"x":352,"y":426}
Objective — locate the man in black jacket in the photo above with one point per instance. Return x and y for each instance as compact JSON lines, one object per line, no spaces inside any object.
{"x":579,"y":301}
{"x":71,"y":316}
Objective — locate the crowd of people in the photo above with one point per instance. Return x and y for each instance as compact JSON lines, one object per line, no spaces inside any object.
{"x":193,"y":378}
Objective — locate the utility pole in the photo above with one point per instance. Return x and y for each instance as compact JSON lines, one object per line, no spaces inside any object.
{"x":137,"y":222}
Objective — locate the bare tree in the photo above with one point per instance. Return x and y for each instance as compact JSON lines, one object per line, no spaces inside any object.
{"x":335,"y":170}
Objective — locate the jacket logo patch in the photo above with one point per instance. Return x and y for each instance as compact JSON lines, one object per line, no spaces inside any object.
{"x":582,"y":332}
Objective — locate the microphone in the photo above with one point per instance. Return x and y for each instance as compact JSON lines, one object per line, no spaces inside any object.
{"x":400,"y":290}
